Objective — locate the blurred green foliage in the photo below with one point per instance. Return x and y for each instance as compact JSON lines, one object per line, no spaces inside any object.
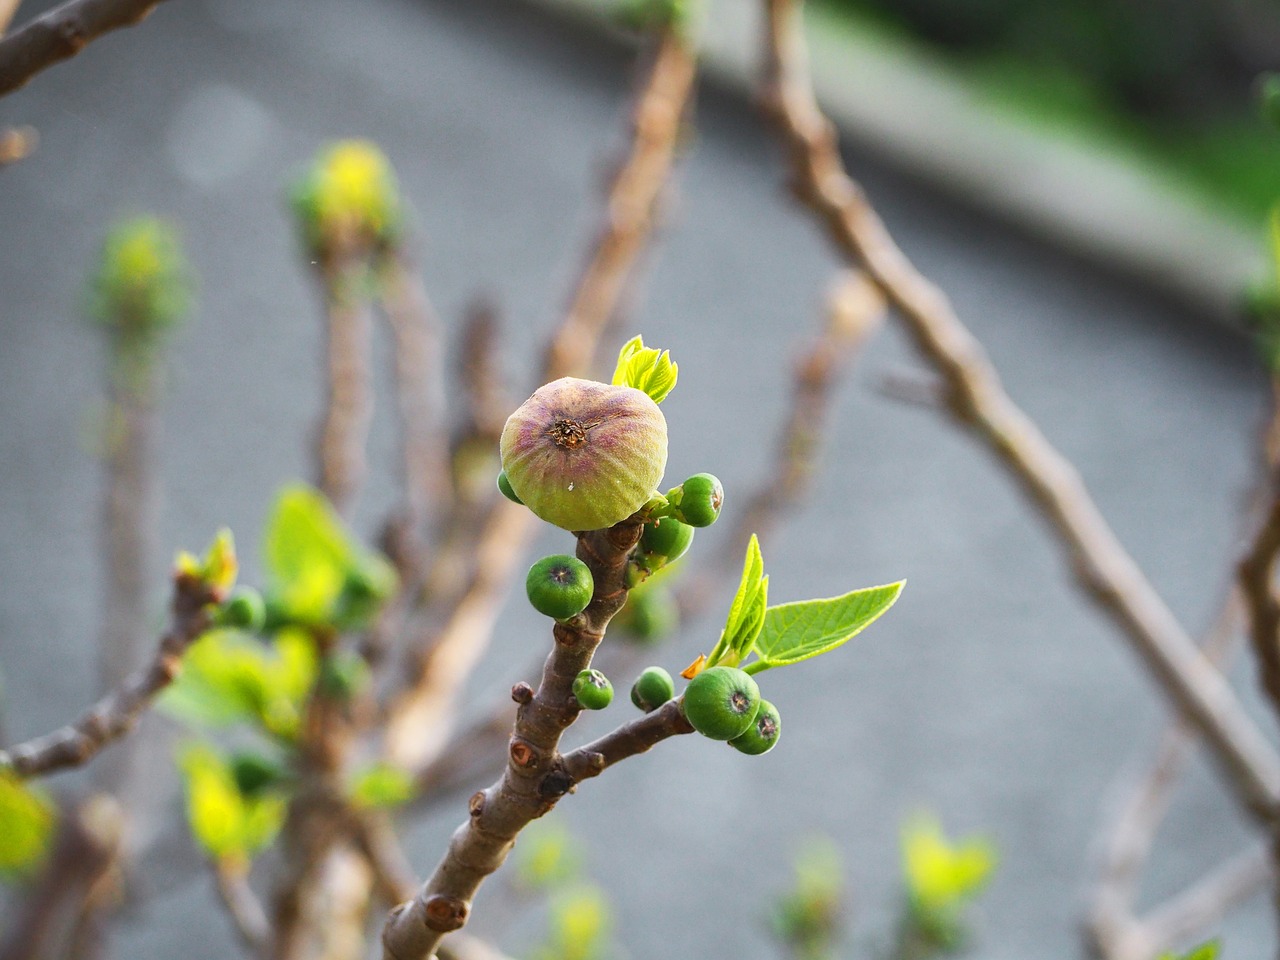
{"x":28,"y":818}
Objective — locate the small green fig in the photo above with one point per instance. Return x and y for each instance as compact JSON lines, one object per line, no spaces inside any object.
{"x":593,"y":690}
{"x":721,"y":702}
{"x":504,"y":484}
{"x":698,"y":500}
{"x":559,"y":586}
{"x":667,"y":538}
{"x":652,"y":689}
{"x":244,"y":610}
{"x":584,"y":455}
{"x":763,"y":732}
{"x":254,"y":773}
{"x":650,"y":614}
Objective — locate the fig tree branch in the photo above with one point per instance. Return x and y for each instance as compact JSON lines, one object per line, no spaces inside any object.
{"x":115,"y":715}
{"x":440,"y":659}
{"x":62,"y":33}
{"x":629,"y":740}
{"x":535,"y":778}
{"x":344,"y":428}
{"x":248,"y":917}
{"x":975,"y":398}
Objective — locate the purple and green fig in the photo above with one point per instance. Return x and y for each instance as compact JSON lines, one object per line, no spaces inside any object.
{"x":584,"y":455}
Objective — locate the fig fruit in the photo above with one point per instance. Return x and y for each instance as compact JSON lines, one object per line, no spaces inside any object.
{"x":667,"y":538}
{"x":721,"y":702}
{"x":505,"y":486}
{"x":763,"y":732}
{"x":652,"y":689}
{"x":593,"y":690}
{"x":698,"y":500}
{"x":560,"y":586}
{"x":244,"y":610}
{"x":584,"y":455}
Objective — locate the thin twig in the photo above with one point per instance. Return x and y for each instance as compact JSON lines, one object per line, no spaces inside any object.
{"x":349,"y":407}
{"x":629,"y":740}
{"x":974,"y":396}
{"x":633,"y":198}
{"x":62,"y":33}
{"x":419,"y":391}
{"x":853,"y":313}
{"x":248,"y":916}
{"x":114,"y":715}
{"x":1131,"y":833}
{"x":535,"y":777}
{"x":393,"y":878}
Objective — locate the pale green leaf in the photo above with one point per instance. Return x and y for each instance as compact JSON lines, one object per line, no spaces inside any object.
{"x":797,"y":631}
{"x":382,"y":786}
{"x":308,"y":554}
{"x":940,"y":874}
{"x":224,"y":822}
{"x":741,"y":609}
{"x":645,"y":368}
{"x":26,"y":825}
{"x":1206,"y":951}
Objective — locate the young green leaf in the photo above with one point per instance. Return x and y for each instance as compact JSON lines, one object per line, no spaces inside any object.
{"x":1206,"y":951}
{"x":381,"y":786}
{"x":797,"y":631}
{"x":26,"y":825}
{"x":645,"y":368}
{"x":746,"y":612}
{"x":223,"y":821}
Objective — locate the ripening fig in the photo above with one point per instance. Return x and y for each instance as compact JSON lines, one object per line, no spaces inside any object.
{"x":504,"y":485}
{"x":667,"y":538}
{"x":652,"y":689}
{"x":244,"y":610}
{"x":560,"y":586}
{"x":698,"y":500}
{"x":593,"y":690}
{"x":762,"y":733}
{"x":721,"y":702}
{"x":584,"y":455}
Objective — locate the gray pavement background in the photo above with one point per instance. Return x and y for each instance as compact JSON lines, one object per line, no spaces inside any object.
{"x":990,"y":694}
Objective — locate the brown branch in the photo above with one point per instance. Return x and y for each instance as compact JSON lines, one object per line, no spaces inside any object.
{"x":633,"y":198}
{"x":247,"y":914}
{"x":628,"y":740}
{"x":349,"y":406}
{"x":115,"y":715}
{"x":535,"y":777}
{"x":418,"y":375}
{"x":854,"y":311}
{"x":975,"y":398}
{"x":1257,"y":582}
{"x":393,"y":878}
{"x":1111,"y":923}
{"x":62,"y":33}
{"x":439,"y":660}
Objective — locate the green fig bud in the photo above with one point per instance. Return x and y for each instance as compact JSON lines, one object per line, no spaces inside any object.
{"x":667,"y":538}
{"x":652,"y":689}
{"x":593,"y":690}
{"x":504,"y":484}
{"x":254,"y":773}
{"x":698,"y":500}
{"x":584,"y":455}
{"x":651,"y":613}
{"x":559,"y":586}
{"x":762,"y":733}
{"x":721,"y":702}
{"x":243,"y":610}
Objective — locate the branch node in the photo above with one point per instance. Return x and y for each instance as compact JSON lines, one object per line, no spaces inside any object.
{"x":522,"y":693}
{"x":444,"y":914}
